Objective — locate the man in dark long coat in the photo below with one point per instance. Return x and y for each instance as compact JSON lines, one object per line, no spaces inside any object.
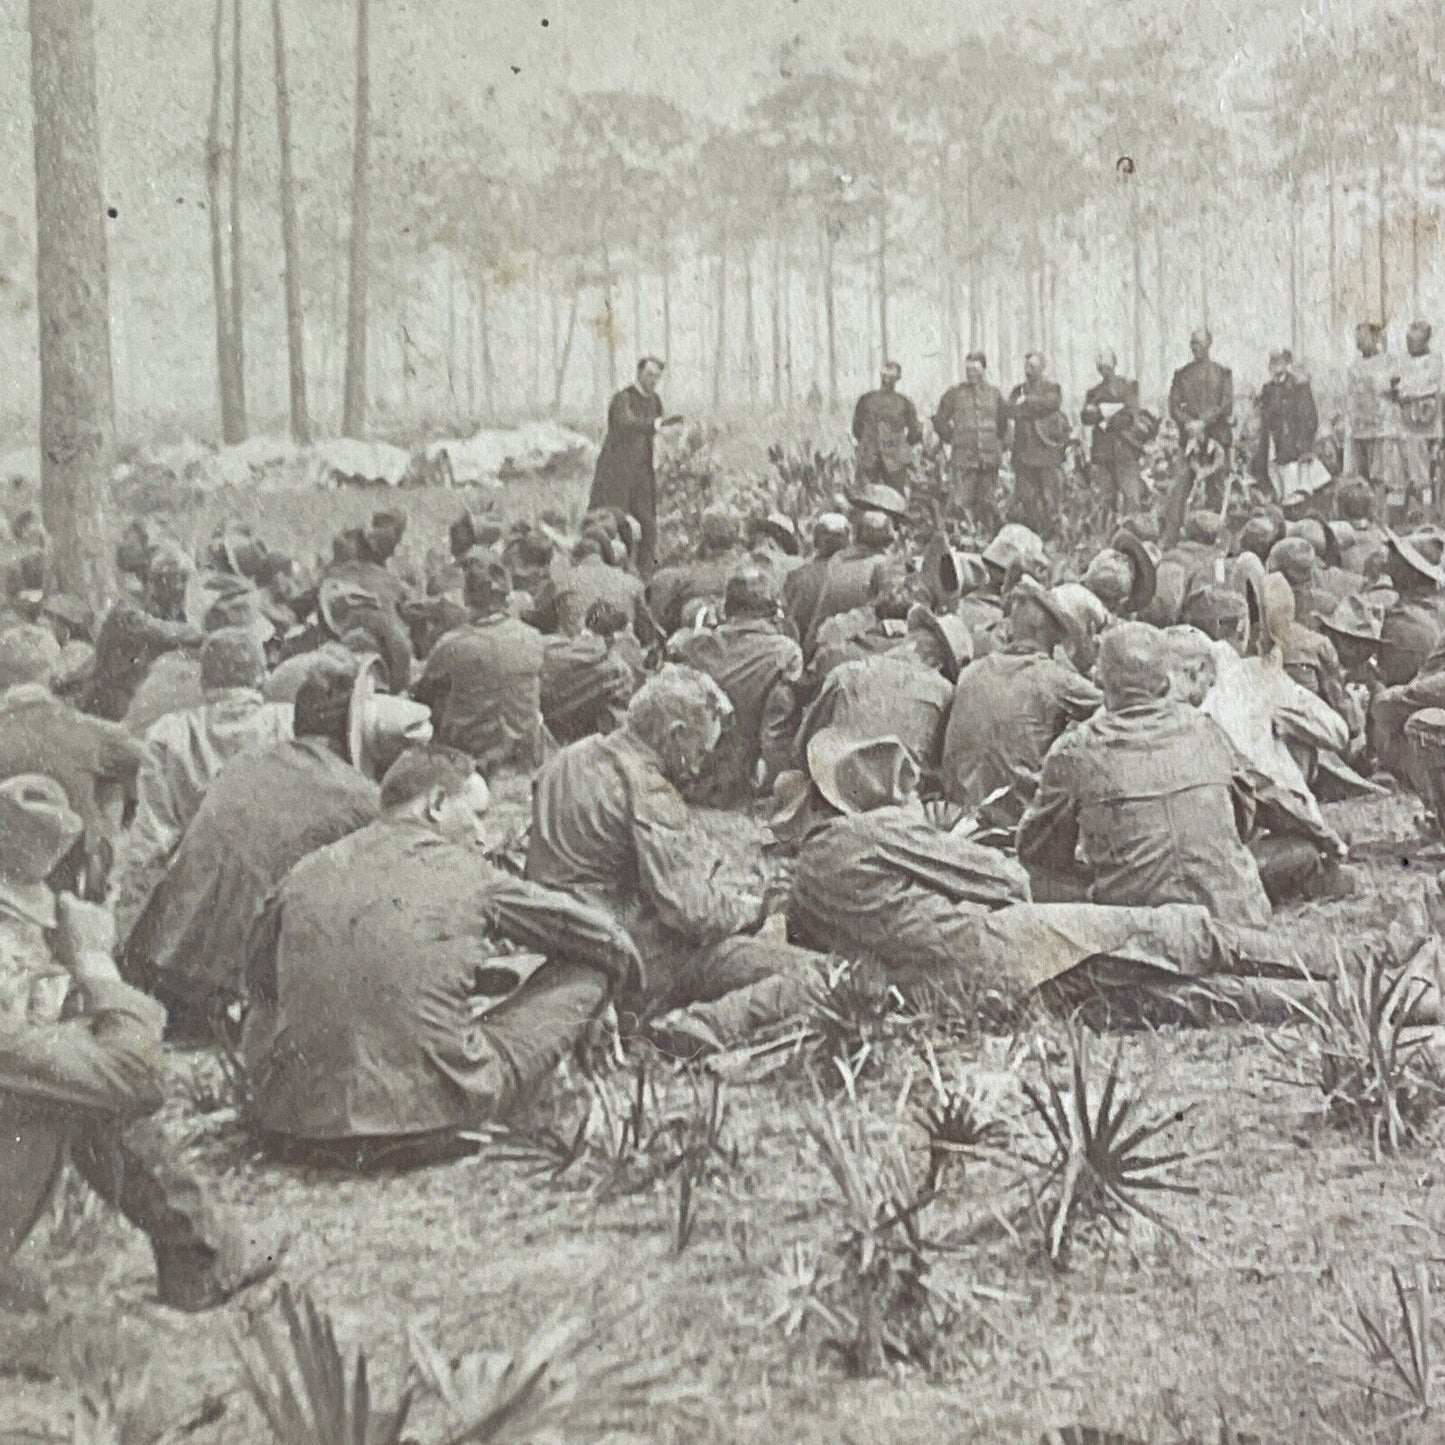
{"x":624,"y":477}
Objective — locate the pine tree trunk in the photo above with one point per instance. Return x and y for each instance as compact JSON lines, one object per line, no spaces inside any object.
{"x":830,"y":315}
{"x":1294,"y":308}
{"x":882,"y":283}
{"x":77,"y":404}
{"x":609,"y":311}
{"x":238,"y":276}
{"x":233,"y":427}
{"x":1380,"y":238}
{"x":1332,"y":259}
{"x":750,"y":324}
{"x":775,"y":321}
{"x":451,"y":359}
{"x":666,"y":304}
{"x":470,"y":342}
{"x":353,"y":418}
{"x":788,"y":332}
{"x":290,"y":243}
{"x":560,"y":379}
{"x":719,"y":360}
{"x":1160,"y":313}
{"x":484,"y":325}
{"x":1136,"y":251}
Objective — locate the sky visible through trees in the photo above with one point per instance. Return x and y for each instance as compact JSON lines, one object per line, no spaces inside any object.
{"x":769,"y":194}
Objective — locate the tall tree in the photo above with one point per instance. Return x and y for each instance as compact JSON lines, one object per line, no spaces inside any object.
{"x":353,"y":410}
{"x":290,"y":242}
{"x":228,"y":369}
{"x":77,"y":404}
{"x":238,"y":275}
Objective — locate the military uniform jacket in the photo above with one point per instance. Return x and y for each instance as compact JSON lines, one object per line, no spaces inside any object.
{"x":973,"y":420}
{"x":1204,"y":391}
{"x":370,"y":972}
{"x":1148,"y":796}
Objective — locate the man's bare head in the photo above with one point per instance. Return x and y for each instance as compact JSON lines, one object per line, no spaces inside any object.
{"x":679,"y":713}
{"x":439,"y":787}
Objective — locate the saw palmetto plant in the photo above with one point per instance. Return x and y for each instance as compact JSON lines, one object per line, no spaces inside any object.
{"x":852,"y":1015}
{"x":1377,"y":1070}
{"x":627,"y":1140}
{"x":551,"y":1385}
{"x":872,"y":1295}
{"x":961,"y":1125}
{"x":1396,"y":1343}
{"x":1101,"y":1168}
{"x":295,"y":1374}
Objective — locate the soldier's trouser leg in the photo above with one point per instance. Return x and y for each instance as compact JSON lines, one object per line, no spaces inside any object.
{"x":981,"y":489}
{"x":136,"y":1170}
{"x":1287,"y":866}
{"x":711,"y":973}
{"x":539,"y":1025}
{"x":1126,"y":488}
{"x":1035,"y":502}
{"x":643,"y":506}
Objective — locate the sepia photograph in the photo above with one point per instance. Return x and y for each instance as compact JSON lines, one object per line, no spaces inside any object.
{"x":722,"y":723}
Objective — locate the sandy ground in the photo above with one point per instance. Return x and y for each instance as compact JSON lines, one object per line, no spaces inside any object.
{"x":1159,"y":1337}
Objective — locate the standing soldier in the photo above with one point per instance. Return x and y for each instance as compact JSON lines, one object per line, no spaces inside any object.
{"x":1040,"y":435}
{"x":1111,"y":407}
{"x":624,"y":477}
{"x":1415,"y":389}
{"x":1288,"y":423}
{"x":1370,"y":450}
{"x":1201,"y":403}
{"x":973,"y":421}
{"x":885,"y":426}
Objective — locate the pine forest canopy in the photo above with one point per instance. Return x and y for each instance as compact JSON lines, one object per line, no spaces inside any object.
{"x":770,"y":194}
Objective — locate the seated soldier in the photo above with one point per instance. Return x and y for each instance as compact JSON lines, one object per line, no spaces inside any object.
{"x":404,"y":989}
{"x":947,"y":919}
{"x":588,"y":680}
{"x":610,"y":827}
{"x":76,"y":1083}
{"x":1010,"y":706}
{"x":877,"y":625}
{"x":184,"y":751}
{"x":803,"y":586}
{"x":483,"y":680}
{"x":904,"y":693}
{"x":759,"y":667}
{"x":848,"y":584}
{"x":93,"y":759}
{"x":591,"y":576}
{"x":263,"y":814}
{"x":1149,"y":793}
{"x":677,"y":594}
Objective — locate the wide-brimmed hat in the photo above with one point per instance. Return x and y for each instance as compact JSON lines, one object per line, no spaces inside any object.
{"x":879,"y":497}
{"x":951,"y":632}
{"x":1360,"y":617}
{"x":1319,"y":535}
{"x":857,"y":775}
{"x":38,"y":827}
{"x":1146,"y":572}
{"x":1090,"y":616}
{"x":1026,"y":589}
{"x":948,"y":572}
{"x":1014,"y":543}
{"x":379,"y":725}
{"x":225,"y":599}
{"x":28,"y":653}
{"x":782,"y":529}
{"x":1421,"y":552}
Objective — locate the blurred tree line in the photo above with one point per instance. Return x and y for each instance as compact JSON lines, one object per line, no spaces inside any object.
{"x":1025,"y":189}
